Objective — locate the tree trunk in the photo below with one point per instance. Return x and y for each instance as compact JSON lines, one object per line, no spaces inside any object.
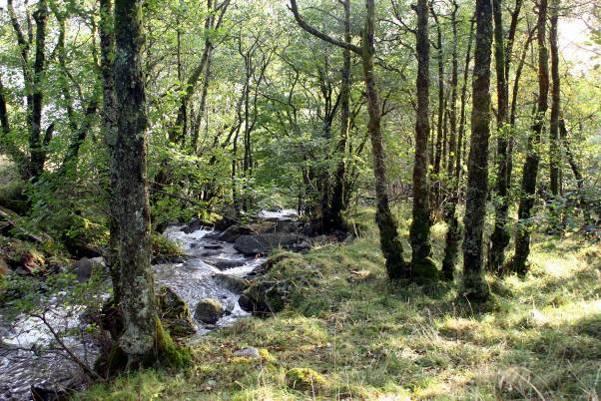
{"x":475,"y":287}
{"x":500,"y":237}
{"x":437,"y":184}
{"x":109,"y":127}
{"x":462,"y":140}
{"x":338,"y":205}
{"x":420,"y":225}
{"x":36,"y":146}
{"x":554,"y":153}
{"x":143,"y":339}
{"x":453,"y":235}
{"x":389,"y":236}
{"x":530,"y":172}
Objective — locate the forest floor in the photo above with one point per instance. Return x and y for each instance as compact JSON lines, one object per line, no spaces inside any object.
{"x":353,"y":336}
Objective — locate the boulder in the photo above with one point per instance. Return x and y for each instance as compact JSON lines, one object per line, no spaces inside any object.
{"x":233,"y":283}
{"x":223,"y":264}
{"x":41,"y":392}
{"x":84,"y":268}
{"x":209,"y":310}
{"x":175,"y":313}
{"x":263,"y":243}
{"x":195,"y":224}
{"x":234,"y":232}
{"x":4,"y":269}
{"x":264,"y":298}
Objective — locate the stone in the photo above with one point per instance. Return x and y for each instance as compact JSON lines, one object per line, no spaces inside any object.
{"x":264,"y":298}
{"x":223,"y":264}
{"x":263,"y":243}
{"x":232,"y":233}
{"x":250,"y":352}
{"x":232,"y":283}
{"x":175,"y":313}
{"x":209,"y":311}
{"x":194,"y":225}
{"x":4,"y":269}
{"x":84,"y":268}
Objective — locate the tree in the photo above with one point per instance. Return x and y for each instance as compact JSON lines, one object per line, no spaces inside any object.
{"x":530,"y":171}
{"x":389,"y":236}
{"x":477,"y":185}
{"x":33,"y":80}
{"x":143,"y":339}
{"x":420,"y":225}
{"x":453,"y":235}
{"x":505,"y":126}
{"x":554,"y":153}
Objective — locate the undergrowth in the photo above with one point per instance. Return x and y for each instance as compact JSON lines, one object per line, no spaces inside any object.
{"x":350,"y":335}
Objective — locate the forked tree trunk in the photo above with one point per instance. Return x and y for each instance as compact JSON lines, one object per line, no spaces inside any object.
{"x":530,"y":171}
{"x":475,"y":287}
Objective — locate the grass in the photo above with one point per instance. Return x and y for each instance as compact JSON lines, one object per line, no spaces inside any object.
{"x":356,"y":337}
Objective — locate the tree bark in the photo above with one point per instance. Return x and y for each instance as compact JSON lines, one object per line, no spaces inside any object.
{"x":500,"y":237}
{"x":453,"y":235}
{"x":36,"y":146}
{"x":109,"y":127}
{"x":437,"y":184}
{"x":420,"y":225}
{"x":475,"y":287}
{"x":389,"y":236}
{"x":142,"y":339}
{"x":554,"y":152}
{"x":337,"y":206}
{"x":530,"y":171}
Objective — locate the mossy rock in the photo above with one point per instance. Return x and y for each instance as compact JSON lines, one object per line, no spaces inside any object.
{"x":175,"y":313}
{"x":209,"y":311}
{"x":264,"y":297}
{"x":164,"y":250}
{"x":305,"y":379}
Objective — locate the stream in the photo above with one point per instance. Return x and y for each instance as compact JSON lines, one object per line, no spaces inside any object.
{"x":29,"y":358}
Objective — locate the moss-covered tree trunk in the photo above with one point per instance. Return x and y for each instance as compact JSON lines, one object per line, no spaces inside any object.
{"x":530,"y":171}
{"x":109,"y":127}
{"x":389,"y":236}
{"x":500,"y":237}
{"x":453,"y":235}
{"x":477,"y":186}
{"x":142,"y":339}
{"x":420,"y":225}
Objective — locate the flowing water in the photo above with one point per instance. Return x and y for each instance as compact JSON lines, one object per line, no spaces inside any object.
{"x":28,"y":354}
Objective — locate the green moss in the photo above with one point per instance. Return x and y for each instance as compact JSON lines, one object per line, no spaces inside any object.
{"x":305,"y":379}
{"x":164,"y":250}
